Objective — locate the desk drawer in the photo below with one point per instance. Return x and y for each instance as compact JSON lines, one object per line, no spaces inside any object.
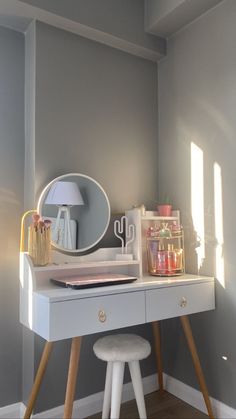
{"x":177,"y":301}
{"x":91,"y":315}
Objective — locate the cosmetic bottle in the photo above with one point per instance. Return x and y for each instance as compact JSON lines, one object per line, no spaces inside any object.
{"x":179,"y":260}
{"x":171,"y":259}
{"x":162,"y":260}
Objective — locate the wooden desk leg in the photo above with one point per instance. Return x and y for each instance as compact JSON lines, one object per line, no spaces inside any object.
{"x":38,"y":379}
{"x":157,"y":343}
{"x":196,"y":362}
{"x":72,"y":376}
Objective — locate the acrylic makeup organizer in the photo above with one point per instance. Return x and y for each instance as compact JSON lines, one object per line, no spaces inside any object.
{"x":159,"y":243}
{"x":165,"y":248}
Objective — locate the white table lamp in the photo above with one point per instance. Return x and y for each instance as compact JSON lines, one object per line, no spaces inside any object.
{"x":64,"y":195}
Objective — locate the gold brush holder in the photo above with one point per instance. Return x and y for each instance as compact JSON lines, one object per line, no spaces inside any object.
{"x":39,"y":242}
{"x":39,"y":245}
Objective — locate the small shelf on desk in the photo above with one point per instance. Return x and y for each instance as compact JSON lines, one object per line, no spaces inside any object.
{"x":154,"y":216}
{"x":38,"y":277}
{"x":82,"y":265}
{"x":158,"y":218}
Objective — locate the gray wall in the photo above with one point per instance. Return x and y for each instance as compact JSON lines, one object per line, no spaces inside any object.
{"x":11,"y":208}
{"x":95,"y":114}
{"x":197,"y":102}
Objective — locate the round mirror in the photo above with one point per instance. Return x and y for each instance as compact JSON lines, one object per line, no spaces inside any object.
{"x":79,"y":210}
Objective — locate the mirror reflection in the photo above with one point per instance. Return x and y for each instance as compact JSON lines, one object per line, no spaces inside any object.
{"x":79,"y":210}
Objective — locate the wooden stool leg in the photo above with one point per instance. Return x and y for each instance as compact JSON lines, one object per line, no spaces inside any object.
{"x":157,"y":343}
{"x":196,"y":362}
{"x":38,"y":379}
{"x":72,"y":376}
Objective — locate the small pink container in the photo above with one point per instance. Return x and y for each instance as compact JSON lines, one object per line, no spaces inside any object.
{"x":164,"y":210}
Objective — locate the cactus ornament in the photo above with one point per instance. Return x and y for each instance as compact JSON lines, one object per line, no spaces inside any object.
{"x":120,"y":228}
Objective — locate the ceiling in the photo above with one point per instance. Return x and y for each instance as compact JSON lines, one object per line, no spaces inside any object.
{"x":166,"y":17}
{"x":16,"y":23}
{"x":162,"y":17}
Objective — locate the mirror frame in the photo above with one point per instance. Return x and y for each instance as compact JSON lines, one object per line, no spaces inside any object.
{"x":40,"y":205}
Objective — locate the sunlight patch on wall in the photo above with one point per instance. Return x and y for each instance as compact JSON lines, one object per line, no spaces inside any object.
{"x":197,"y":200}
{"x":219,"y":235}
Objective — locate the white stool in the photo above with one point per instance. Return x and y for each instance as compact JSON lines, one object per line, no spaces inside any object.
{"x":116,"y":350}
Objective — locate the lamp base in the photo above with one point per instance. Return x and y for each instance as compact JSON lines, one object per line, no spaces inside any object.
{"x":67,"y":241}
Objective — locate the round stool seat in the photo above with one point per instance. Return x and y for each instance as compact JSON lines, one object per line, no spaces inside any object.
{"x":122,"y":347}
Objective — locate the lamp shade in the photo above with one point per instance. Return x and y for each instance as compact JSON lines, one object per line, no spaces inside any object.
{"x":64,"y":193}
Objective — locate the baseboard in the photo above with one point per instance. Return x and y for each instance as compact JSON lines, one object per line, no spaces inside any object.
{"x":194,"y":398}
{"x":13,"y":411}
{"x":93,"y":404}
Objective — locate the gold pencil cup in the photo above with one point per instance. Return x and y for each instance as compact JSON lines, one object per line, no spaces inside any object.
{"x":39,"y":245}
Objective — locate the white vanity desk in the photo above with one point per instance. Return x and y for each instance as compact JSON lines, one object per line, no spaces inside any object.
{"x":57,"y":313}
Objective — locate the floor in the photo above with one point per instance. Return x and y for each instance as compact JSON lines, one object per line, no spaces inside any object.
{"x":165,"y":406}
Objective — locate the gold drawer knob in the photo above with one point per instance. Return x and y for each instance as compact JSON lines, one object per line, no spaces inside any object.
{"x":102,"y":316}
{"x":183,"y":302}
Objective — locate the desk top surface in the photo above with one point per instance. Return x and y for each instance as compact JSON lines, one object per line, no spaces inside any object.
{"x":56,"y":294}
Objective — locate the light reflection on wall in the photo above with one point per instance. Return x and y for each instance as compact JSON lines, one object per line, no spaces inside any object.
{"x":30,"y":302}
{"x":197,"y":200}
{"x":219,"y":235}
{"x":26,"y":282}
